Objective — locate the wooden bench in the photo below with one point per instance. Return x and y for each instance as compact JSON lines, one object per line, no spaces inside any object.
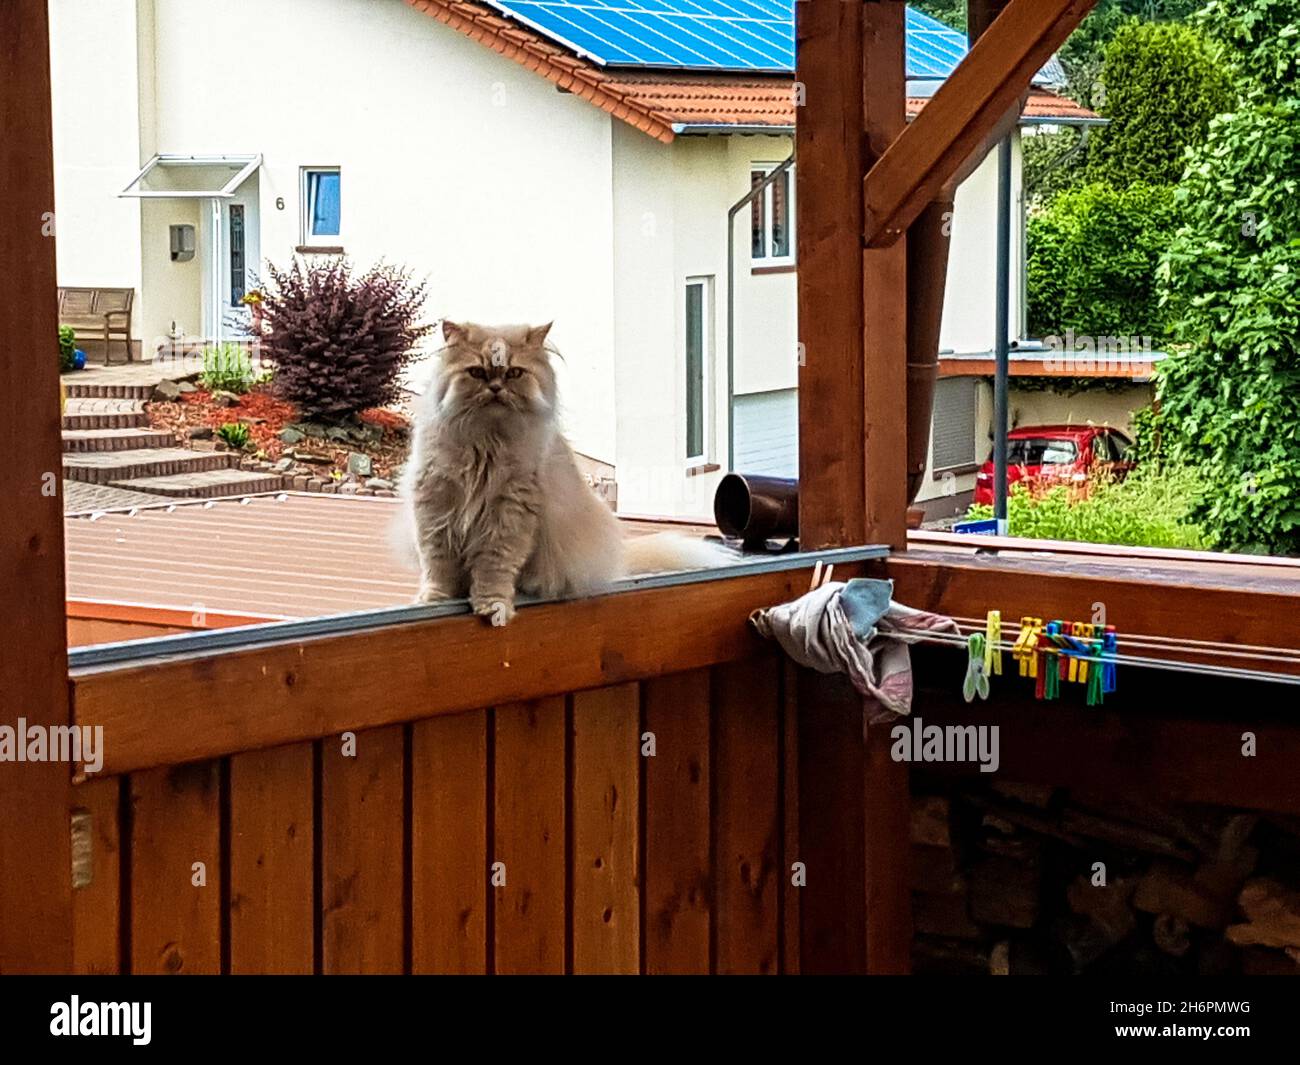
{"x":98,"y":314}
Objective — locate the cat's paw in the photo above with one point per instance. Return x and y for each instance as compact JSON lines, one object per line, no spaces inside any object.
{"x":497,"y":611}
{"x":431,"y":593}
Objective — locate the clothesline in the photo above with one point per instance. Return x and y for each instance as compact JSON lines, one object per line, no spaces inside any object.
{"x":1172,"y":665}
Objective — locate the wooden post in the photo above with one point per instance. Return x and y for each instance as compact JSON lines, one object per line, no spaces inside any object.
{"x":831,"y":148}
{"x":35,"y":862}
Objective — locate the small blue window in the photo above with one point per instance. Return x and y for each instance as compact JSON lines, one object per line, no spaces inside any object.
{"x":322,"y":201}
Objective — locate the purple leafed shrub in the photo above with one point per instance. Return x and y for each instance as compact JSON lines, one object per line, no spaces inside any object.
{"x":339,"y":339}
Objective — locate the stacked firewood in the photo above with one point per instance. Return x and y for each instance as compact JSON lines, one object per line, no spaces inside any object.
{"x":1011,"y":878}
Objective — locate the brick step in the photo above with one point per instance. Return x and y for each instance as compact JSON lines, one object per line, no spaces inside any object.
{"x":77,"y":441}
{"x":87,"y":390}
{"x":111,"y":467}
{"x":104,"y":414}
{"x":208,"y":485}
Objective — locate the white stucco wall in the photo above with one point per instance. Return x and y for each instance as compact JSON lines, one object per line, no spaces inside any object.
{"x":96,"y":142}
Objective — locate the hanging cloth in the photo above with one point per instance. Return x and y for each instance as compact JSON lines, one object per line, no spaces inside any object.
{"x":857,"y":629}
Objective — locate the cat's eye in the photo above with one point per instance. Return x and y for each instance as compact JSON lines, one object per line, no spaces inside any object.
{"x":477,"y":372}
{"x":515,"y":371}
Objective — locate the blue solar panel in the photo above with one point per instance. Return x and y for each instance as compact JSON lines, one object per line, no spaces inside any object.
{"x":740,"y":35}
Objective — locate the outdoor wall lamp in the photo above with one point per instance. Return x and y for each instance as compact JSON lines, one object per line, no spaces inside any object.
{"x":182,"y":243}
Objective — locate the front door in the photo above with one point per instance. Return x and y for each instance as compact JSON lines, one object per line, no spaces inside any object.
{"x":236,"y":263}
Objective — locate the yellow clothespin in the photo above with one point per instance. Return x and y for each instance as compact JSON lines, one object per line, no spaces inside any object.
{"x":1078,"y":668}
{"x":1025,"y":649}
{"x":993,"y":644}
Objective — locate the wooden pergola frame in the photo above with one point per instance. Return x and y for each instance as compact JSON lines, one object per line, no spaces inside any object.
{"x":865,"y":181}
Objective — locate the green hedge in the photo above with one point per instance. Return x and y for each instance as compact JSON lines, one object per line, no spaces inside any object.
{"x":1093,"y":253}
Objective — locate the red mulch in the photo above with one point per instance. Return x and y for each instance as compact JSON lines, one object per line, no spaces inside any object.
{"x":197,"y":409}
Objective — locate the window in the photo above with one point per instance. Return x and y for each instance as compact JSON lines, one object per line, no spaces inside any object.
{"x":321,"y":205}
{"x":237,"y":274}
{"x":954,"y":424}
{"x":771,"y":216}
{"x":699,"y":367}
{"x":1041,"y":451}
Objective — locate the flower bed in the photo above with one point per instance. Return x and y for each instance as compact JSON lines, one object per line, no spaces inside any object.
{"x":365,"y":448}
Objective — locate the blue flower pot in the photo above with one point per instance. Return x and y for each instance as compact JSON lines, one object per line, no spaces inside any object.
{"x":78,"y":360}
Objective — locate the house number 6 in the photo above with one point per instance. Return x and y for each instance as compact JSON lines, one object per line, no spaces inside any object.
{"x":279,"y":203}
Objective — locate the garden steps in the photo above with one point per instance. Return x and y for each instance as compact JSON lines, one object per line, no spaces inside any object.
{"x":78,"y":441}
{"x":114,"y":467}
{"x":210,"y":484}
{"x":84,"y":390}
{"x":96,"y":413}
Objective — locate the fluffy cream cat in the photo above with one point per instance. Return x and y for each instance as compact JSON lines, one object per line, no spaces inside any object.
{"x":495,"y":499}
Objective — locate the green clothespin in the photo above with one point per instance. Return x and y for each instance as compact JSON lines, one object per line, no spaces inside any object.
{"x":1096,"y":677}
{"x":976,"y":679}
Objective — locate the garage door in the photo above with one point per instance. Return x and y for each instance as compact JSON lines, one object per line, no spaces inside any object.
{"x":767,"y":433}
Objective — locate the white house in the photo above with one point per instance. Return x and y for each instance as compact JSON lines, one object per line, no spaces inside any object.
{"x":530,"y":172}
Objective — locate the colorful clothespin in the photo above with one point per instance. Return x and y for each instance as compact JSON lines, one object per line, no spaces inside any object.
{"x":1109,"y":651}
{"x":993,"y":643}
{"x":977,"y":680}
{"x":1096,"y":682}
{"x":1052,"y":661}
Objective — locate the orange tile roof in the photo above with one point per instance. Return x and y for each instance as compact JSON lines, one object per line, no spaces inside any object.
{"x":659,"y":103}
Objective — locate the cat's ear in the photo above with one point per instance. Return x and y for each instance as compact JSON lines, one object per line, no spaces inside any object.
{"x":537,"y":334}
{"x":451,"y":332}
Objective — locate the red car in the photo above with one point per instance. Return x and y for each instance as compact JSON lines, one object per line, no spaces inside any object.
{"x":1069,"y":453}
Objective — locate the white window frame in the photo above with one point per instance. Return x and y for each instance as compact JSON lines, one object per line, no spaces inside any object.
{"x":304,"y":213}
{"x":708,"y":361}
{"x":765,"y":199}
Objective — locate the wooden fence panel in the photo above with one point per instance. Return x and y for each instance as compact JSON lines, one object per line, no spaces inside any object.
{"x":363,"y":852}
{"x":605,"y":800}
{"x":529,"y":839}
{"x":97,"y":876}
{"x":677,"y":846}
{"x":746,"y":816}
{"x":449,"y":840}
{"x":272,"y":890}
{"x":375,"y":852}
{"x":175,"y":831}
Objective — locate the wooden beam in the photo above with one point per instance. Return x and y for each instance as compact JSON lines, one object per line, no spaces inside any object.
{"x":35,"y":827}
{"x":831,"y":146}
{"x":1135,"y":597}
{"x":163,"y":712}
{"x":884,"y":291}
{"x":965,"y":109}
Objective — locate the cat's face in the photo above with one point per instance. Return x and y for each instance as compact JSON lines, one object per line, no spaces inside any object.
{"x":496,"y":371}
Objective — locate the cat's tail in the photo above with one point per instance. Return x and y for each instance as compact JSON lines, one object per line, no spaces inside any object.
{"x":665,"y":552}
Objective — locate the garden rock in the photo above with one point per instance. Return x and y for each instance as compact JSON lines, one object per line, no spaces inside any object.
{"x":336,"y":433}
{"x":201,"y":432}
{"x":185,"y":387}
{"x":379,"y":482}
{"x":360,"y":464}
{"x":314,"y":458}
{"x":290,"y":435}
{"x":166,"y":392}
{"x":222,"y":398}
{"x":283,"y":466}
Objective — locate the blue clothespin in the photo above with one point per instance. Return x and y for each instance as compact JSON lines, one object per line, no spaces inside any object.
{"x":1109,"y":651}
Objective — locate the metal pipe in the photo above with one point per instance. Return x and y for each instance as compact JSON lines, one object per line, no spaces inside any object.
{"x":1002,"y":364}
{"x":927,"y":274}
{"x":754,"y":508}
{"x":732,"y":211}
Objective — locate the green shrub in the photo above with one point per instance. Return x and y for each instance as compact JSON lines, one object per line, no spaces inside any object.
{"x":1162,"y":83}
{"x":1152,"y":507}
{"x":1092,"y":261}
{"x":67,"y":348}
{"x":1230,"y":399}
{"x":234,"y":434}
{"x":227,"y":367}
